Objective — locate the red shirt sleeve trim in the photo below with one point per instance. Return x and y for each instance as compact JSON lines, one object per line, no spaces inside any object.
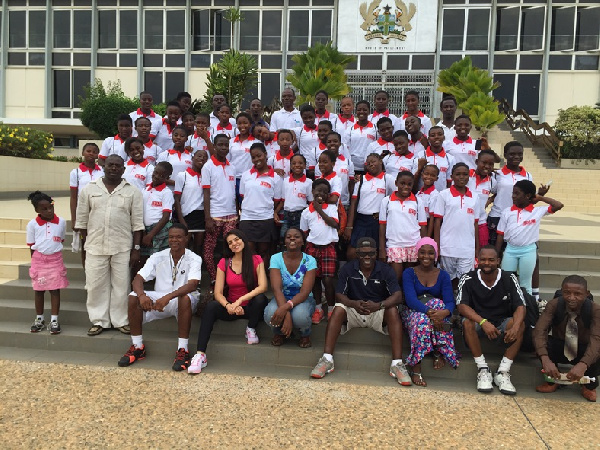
{"x":102,"y":156}
{"x":167,"y":210}
{"x":30,"y":244}
{"x":74,"y":187}
{"x":206,"y":186}
{"x":438,"y":215}
{"x":500,"y":232}
{"x":382,"y":222}
{"x":421,"y":224}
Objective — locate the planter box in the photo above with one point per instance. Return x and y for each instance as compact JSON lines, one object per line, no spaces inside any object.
{"x":27,"y":175}
{"x":587,"y":164}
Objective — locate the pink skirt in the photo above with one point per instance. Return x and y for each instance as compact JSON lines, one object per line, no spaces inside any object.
{"x":48,"y":272}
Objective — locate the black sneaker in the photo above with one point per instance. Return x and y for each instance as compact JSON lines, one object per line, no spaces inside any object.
{"x":182,"y":360}
{"x":54,"y":327}
{"x":38,"y":325}
{"x":132,"y":355}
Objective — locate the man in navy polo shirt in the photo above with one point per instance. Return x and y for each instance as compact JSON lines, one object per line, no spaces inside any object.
{"x":367,"y":296}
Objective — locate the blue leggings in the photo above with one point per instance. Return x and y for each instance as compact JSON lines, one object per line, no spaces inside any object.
{"x":521,"y":260}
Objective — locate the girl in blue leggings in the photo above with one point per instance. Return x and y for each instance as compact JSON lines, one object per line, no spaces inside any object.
{"x":519,"y":226}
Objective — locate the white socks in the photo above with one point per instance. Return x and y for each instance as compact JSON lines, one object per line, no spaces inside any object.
{"x":396,"y":361}
{"x":182,"y":343}
{"x":536,"y":294}
{"x":505,"y":365}
{"x":137,"y":341}
{"x":480,"y":361}
{"x":328,"y":357}
{"x":54,"y":318}
{"x":39,"y":317}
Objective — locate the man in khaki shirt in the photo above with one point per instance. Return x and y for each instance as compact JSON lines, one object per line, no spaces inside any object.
{"x":110,"y":216}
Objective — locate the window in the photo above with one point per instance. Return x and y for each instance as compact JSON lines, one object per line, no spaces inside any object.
{"x":507,"y":28}
{"x":82,"y":26}
{"x":260,"y":31}
{"x":211,"y":31}
{"x":27,"y":29}
{"x":164,"y":86}
{"x":250,"y":31}
{"x":17,"y":26}
{"x":37,"y":29}
{"x":470,"y":34}
{"x":453,"y":29}
{"x":478,"y":28}
{"x":532,"y":28}
{"x":175,"y":30}
{"x":153,"y":29}
{"x":520,"y":28}
{"x":306,"y":28}
{"x":271,"y":31}
{"x":128,"y":29}
{"x":563,"y":28}
{"x":67,"y":88}
{"x":116,"y":31}
{"x":107,"y":29}
{"x":72,"y":28}
{"x":62,"y":28}
{"x":587,"y":35}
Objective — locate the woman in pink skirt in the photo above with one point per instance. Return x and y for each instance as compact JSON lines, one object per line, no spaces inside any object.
{"x":45,"y":237}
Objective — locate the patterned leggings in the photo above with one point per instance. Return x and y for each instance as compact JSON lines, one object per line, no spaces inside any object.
{"x":223,"y":225}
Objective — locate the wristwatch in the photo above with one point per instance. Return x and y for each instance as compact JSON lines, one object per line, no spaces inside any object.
{"x":136,"y":247}
{"x":381,"y":306}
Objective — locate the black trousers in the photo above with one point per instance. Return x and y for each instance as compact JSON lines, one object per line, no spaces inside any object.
{"x":556,"y":352}
{"x":214,"y":311}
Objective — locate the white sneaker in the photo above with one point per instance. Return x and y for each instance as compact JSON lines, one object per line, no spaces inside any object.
{"x":502,"y":380}
{"x":484,"y":380}
{"x":198,"y":363}
{"x":251,"y":336}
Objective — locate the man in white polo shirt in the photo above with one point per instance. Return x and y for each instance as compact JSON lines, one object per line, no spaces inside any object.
{"x":177,"y":272}
{"x":287,"y":117}
{"x":145,"y":110}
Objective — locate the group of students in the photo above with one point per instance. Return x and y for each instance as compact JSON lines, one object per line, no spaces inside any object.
{"x":310,"y":178}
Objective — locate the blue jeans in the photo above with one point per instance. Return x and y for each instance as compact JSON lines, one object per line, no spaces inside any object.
{"x":521,"y":260}
{"x":301,"y":316}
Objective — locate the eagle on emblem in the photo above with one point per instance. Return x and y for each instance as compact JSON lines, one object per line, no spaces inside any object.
{"x":369,"y":14}
{"x":403,"y":17}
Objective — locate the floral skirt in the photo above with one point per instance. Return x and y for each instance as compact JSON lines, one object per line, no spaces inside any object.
{"x":48,"y":272}
{"x":424,"y":339}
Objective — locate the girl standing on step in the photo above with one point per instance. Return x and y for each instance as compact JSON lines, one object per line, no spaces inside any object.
{"x":45,"y":237}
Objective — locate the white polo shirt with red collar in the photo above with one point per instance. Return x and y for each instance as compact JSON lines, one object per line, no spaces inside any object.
{"x":157,"y":200}
{"x":335,"y":182}
{"x":396,"y":163}
{"x":462,"y":151}
{"x":375,"y":116}
{"x":345,"y":124}
{"x":155,"y":121}
{"x":46,"y":236}
{"x":214,"y":120}
{"x":164,"y":137}
{"x":428,"y":197}
{"x":502,"y":185}
{"x":307,"y":139}
{"x":312,"y":158}
{"x":358,"y":139}
{"x":219,"y":177}
{"x":449,"y":132}
{"x":188,"y":184}
{"x":113,"y":145}
{"x":296,"y":193}
{"x":278,"y":161}
{"x":197,"y":143}
{"x":260,"y":192}
{"x":230,"y":130}
{"x":406,"y":217}
{"x":442,"y":160}
{"x":179,"y":160}
{"x":415,"y":147}
{"x":521,"y":226}
{"x":379,"y":146}
{"x":372,"y":192}
{"x":460,"y":213}
{"x":482,"y":187}
{"x":287,"y":120}
{"x":239,"y":154}
{"x":425,"y":122}
{"x":151,"y":151}
{"x":344,"y":168}
{"x":272,"y":146}
{"x":138,"y":175}
{"x":332,"y":117}
{"x":80,"y":177}
{"x":319,"y":233}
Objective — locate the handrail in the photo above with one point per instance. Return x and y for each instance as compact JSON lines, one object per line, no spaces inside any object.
{"x":542,"y":133}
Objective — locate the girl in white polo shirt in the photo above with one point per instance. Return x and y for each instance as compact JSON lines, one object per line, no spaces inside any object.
{"x":296,"y":193}
{"x":346,"y":117}
{"x":239,"y":148}
{"x":178,"y":156}
{"x":45,"y":237}
{"x":260,"y":189}
{"x":138,"y":170}
{"x":400,"y":158}
{"x":407,"y":219}
{"x":359,"y":136}
{"x":456,"y":229}
{"x":307,"y":136}
{"x":282,"y":158}
{"x":143,"y":127}
{"x":519,"y":226}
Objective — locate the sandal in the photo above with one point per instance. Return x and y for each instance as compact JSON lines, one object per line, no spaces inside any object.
{"x":124,"y":329}
{"x":278,"y":340}
{"x":305,"y":342}
{"x":95,"y":330}
{"x":438,"y":361}
{"x":418,"y":380}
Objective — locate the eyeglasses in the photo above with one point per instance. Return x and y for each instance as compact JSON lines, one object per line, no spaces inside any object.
{"x":366,"y":254}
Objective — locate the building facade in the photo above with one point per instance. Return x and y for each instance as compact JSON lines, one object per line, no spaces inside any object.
{"x":545,"y":53}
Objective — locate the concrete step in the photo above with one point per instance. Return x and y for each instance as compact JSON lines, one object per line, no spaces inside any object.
{"x":556,"y":277}
{"x":21,"y":289}
{"x":21,"y":252}
{"x":20,"y":270}
{"x":549,"y":261}
{"x":16,"y":224}
{"x":570,"y":248}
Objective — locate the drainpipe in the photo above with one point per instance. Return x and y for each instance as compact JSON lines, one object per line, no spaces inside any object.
{"x":284,"y":51}
{"x":545,"y":64}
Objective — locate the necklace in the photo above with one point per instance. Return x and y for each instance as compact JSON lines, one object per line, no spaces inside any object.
{"x":175,"y":268}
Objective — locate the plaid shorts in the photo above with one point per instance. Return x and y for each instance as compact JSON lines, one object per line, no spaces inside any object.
{"x":160,"y":241}
{"x":401,"y":254}
{"x":326,"y":257}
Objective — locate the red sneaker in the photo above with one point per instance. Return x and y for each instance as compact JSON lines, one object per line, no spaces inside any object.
{"x":318,"y":316}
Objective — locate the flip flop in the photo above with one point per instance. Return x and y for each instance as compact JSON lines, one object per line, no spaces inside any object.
{"x":438,"y":361}
{"x":277,"y":340}
{"x":95,"y":330}
{"x":304,"y":342}
{"x":419,"y":379}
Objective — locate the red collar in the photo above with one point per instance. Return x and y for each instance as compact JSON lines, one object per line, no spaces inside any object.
{"x":455,"y":193}
{"x":177,"y":152}
{"x":118,"y":138}
{"x":169,"y":127}
{"x":41,"y":221}
{"x":269,"y":142}
{"x":357,"y":126}
{"x":311,"y":208}
{"x":157,"y":188}
{"x":328,"y":177}
{"x":394,"y":197}
{"x":343,"y":120}
{"x":196,"y":134}
{"x":149,"y":144}
{"x":427,"y":191}
{"x":228,"y":127}
{"x":144,"y":163}
{"x":325,"y":115}
{"x":192,"y":172}
{"x":386,"y":113}
{"x":308,"y":130}
{"x":85,"y":168}
{"x":340,"y":157}
{"x":528,"y":208}
{"x":478,"y":179}
{"x":522,"y":172}
{"x":278,"y":156}
{"x":415,"y":142}
{"x":429,"y":152}
{"x":469,"y":140}
{"x":407,"y":114}
{"x":302,"y":179}
{"x":380,"y":141}
{"x":216,"y":162}
{"x":369,"y":177}
{"x":322,"y":146}
{"x":140,"y":113}
{"x":237,"y":138}
{"x":268,"y":173}
{"x":408,"y":155}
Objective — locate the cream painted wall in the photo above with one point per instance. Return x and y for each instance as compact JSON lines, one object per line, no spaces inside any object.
{"x":197,"y":82}
{"x":127,"y":77}
{"x":21,"y":174}
{"x":25,"y":92}
{"x":567,"y":89}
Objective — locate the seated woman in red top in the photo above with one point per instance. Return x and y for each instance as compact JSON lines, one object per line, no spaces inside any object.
{"x":241,"y":282}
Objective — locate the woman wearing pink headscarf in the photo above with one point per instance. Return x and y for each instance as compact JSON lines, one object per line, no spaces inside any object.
{"x":430,"y":302}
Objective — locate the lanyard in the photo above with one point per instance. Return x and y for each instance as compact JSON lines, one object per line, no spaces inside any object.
{"x":175,"y":269}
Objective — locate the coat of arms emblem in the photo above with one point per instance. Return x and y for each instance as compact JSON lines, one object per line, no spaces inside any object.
{"x":391,"y":21}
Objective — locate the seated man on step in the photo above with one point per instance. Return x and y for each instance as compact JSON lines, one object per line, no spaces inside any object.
{"x":574,"y":320}
{"x":367,"y":296}
{"x":493,"y":306}
{"x":177,"y":272}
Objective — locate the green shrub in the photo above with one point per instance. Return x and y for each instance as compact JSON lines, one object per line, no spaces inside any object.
{"x":100,"y":107}
{"x":25,"y":142}
{"x":579,"y":129}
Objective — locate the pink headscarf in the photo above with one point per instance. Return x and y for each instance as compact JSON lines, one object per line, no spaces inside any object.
{"x":428,"y":241}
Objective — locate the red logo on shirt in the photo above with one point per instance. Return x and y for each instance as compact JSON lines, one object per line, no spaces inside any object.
{"x":485,"y":191}
{"x":157,"y":204}
{"x":344,"y":171}
{"x":470,"y":211}
{"x":301,"y":195}
{"x":56,"y":239}
{"x":412,"y":211}
{"x":265,"y":184}
{"x":140,"y":176}
{"x":189,"y":163}
{"x":370,"y":136}
{"x":443,"y":169}
{"x":231,"y":178}
{"x":472,"y":153}
{"x":380,"y":191}
{"x":529,"y":222}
